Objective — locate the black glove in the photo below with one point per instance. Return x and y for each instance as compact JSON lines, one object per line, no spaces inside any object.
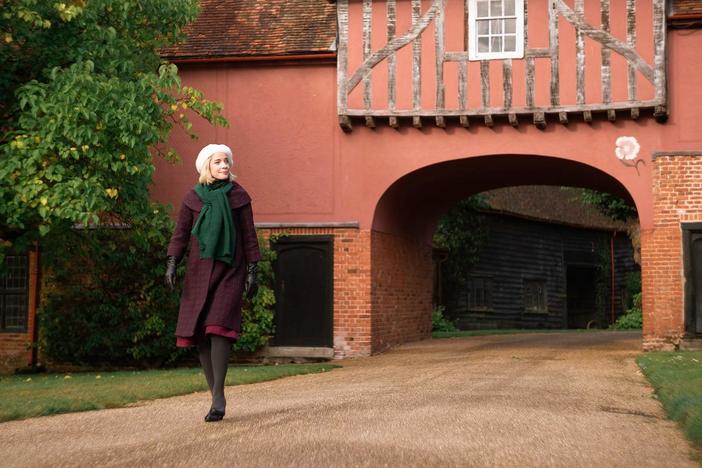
{"x":171,"y":264}
{"x":251,"y":283}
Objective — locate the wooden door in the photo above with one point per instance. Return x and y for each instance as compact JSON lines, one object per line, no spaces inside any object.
{"x":581,"y":296}
{"x":304,"y":291}
{"x":692,"y":261}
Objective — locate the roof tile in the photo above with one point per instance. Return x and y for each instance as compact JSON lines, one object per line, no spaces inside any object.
{"x":234,"y":28}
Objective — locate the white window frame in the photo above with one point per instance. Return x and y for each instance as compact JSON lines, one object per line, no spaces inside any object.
{"x":473,"y":53}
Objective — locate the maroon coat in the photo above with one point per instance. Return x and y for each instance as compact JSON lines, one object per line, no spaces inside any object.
{"x":212,"y":290}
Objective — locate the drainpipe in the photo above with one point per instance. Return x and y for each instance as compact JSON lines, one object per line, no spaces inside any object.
{"x":35,"y":325}
{"x":611,"y":251}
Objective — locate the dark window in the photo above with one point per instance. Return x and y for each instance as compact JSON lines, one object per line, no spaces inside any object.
{"x":14,"y":286}
{"x":535,"y":295}
{"x":479,"y":293}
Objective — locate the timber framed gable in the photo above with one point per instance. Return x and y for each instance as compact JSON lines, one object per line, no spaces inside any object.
{"x":579,"y":57}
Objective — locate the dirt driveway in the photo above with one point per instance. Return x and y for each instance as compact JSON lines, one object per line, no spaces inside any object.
{"x":517,"y":400}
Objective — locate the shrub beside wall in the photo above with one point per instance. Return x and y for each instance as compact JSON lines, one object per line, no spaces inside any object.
{"x":105,"y":301}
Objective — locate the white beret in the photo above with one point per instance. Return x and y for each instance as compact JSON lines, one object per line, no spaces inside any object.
{"x":208,"y":151}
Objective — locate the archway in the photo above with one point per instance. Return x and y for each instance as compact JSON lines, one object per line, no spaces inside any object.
{"x":406,"y":216}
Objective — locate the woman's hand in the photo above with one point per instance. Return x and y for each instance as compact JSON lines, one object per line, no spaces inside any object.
{"x":251,"y":283}
{"x":171,"y":264}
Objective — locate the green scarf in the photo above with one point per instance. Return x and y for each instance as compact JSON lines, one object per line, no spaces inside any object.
{"x":214,"y":228}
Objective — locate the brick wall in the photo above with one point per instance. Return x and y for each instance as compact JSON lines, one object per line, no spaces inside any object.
{"x":382,"y":288}
{"x":15,"y":348}
{"x":677,"y":198}
{"x":401,"y":290}
{"x":352,"y":303}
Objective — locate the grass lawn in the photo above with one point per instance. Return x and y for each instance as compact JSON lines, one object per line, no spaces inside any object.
{"x":677,"y":379}
{"x":508,"y":331}
{"x":26,"y":396}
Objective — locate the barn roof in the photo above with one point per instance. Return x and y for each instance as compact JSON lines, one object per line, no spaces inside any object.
{"x":241,"y":28}
{"x":550,"y":204}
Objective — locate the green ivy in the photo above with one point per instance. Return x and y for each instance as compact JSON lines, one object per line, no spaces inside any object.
{"x":439,"y":322}
{"x":257,"y":315}
{"x":609,"y":205}
{"x":462,"y":231}
{"x":633,"y":318}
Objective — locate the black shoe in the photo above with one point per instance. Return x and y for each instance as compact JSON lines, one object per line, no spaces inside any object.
{"x":214,"y":415}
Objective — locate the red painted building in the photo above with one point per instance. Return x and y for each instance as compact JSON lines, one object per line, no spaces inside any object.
{"x":358,"y":123}
{"x":366,"y":120}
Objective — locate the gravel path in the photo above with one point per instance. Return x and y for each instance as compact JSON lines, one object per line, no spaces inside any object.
{"x":561,"y":400}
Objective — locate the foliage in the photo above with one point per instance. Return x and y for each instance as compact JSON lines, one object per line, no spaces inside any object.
{"x":633,"y":318}
{"x":462,"y":230}
{"x":677,"y":380}
{"x":257,"y":315}
{"x":610,"y":205}
{"x":86,"y":99}
{"x":105,"y":300}
{"x":44,"y":394}
{"x":439,"y":322}
{"x":632,"y":286}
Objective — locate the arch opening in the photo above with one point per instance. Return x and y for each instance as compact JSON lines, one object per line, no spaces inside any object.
{"x":413,"y":204}
{"x":406,"y":218}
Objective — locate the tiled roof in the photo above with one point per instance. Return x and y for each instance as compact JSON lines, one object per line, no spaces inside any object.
{"x":240,"y":28}
{"x":551,"y":204}
{"x":685,"y":8}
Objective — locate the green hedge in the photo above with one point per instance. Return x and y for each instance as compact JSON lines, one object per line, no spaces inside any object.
{"x":105,"y":302}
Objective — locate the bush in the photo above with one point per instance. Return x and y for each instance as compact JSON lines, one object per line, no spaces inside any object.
{"x":257,"y":314}
{"x":633,"y":319}
{"x":105,"y":301}
{"x":441,"y":323}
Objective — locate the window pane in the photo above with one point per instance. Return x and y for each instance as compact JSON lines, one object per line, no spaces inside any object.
{"x":510,"y":25}
{"x":15,"y":311}
{"x":496,"y":44}
{"x":483,"y":8}
{"x":483,"y":27}
{"x":509,"y":7}
{"x":510,"y":43}
{"x":16,"y":274}
{"x":495,"y":27}
{"x":496,"y":8}
{"x":483,"y":44}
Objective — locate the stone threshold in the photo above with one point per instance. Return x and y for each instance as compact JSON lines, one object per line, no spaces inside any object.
{"x":306,"y":352}
{"x":691,"y":344}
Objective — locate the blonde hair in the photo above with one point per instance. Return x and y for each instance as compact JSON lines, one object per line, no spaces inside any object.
{"x":206,"y":176}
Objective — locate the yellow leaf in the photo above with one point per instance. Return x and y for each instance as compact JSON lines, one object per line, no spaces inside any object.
{"x":112,"y":192}
{"x":43,"y":201}
{"x":8,"y":37}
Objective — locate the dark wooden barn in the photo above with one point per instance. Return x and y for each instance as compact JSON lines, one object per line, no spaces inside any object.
{"x":547,"y":270}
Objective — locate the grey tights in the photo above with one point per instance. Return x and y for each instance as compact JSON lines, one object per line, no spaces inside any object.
{"x":214,"y":357}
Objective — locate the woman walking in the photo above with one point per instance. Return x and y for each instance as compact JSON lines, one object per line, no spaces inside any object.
{"x":221,"y":266}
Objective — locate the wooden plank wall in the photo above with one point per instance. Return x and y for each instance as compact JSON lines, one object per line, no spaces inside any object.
{"x":518,"y":249}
